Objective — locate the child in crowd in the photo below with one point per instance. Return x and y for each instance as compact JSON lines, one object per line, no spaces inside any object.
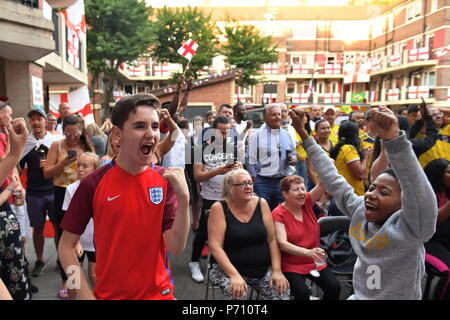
{"x":391,"y":222}
{"x":88,"y":162}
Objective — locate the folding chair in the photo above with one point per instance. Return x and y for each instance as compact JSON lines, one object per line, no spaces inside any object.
{"x":338,"y":223}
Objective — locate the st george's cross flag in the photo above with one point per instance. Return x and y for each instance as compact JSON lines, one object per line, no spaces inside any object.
{"x":188,"y":49}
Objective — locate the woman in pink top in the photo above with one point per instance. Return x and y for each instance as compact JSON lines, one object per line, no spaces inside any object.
{"x":298,"y":235}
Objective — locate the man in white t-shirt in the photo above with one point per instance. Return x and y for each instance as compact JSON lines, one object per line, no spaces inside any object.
{"x":211,"y":162}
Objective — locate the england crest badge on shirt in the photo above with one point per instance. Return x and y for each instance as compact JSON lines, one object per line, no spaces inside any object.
{"x":156,"y":195}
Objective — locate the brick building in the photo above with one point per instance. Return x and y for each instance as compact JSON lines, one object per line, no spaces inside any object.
{"x":34,"y":54}
{"x":386,"y":54}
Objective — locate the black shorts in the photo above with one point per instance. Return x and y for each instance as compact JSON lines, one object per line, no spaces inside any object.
{"x":90,"y":255}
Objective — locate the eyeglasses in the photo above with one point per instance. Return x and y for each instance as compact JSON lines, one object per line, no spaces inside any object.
{"x":243,"y":184}
{"x":52,"y":120}
{"x":75,"y":135}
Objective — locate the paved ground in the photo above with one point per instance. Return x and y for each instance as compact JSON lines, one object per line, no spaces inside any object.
{"x":185,"y":288}
{"x":49,"y":282}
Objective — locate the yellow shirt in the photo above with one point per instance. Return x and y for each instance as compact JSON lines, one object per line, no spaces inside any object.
{"x":440,"y":150}
{"x":334,"y":136}
{"x":300,"y":149}
{"x":346,"y":155}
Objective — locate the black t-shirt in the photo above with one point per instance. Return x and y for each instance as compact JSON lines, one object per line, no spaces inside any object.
{"x":37,"y":184}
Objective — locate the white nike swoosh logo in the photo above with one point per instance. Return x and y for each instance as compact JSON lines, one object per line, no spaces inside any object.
{"x":111,"y":199}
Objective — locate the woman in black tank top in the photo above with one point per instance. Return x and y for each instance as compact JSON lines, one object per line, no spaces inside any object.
{"x":242,"y":241}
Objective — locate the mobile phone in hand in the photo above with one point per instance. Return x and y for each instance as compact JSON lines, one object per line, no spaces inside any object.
{"x":71,"y":153}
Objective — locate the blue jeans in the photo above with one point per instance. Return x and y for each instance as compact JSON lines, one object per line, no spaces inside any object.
{"x":300,"y":170}
{"x":269,"y":189}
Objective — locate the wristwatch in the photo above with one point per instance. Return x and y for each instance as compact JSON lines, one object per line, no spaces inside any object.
{"x":10,"y":189}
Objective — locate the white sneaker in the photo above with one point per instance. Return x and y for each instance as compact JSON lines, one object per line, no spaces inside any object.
{"x":196,"y":273}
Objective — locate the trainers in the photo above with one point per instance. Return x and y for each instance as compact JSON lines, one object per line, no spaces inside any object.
{"x":38,"y":269}
{"x":196,"y":273}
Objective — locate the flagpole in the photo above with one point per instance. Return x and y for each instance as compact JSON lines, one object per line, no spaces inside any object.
{"x":182,"y":95}
{"x":187,"y":67}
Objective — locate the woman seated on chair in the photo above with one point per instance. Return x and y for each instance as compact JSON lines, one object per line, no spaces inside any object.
{"x":242,"y":241}
{"x":298,"y":235}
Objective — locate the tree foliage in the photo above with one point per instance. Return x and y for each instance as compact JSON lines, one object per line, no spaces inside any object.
{"x":248,"y":50}
{"x":172,"y":27}
{"x":118,"y":31}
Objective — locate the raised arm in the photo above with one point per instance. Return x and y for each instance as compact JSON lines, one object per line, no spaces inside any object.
{"x":337,"y":186}
{"x":18,"y":134}
{"x":419,"y":204}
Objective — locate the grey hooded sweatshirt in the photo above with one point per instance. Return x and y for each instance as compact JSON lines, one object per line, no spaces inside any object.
{"x":391,"y":256}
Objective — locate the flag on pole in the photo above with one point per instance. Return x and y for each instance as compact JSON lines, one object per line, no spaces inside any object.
{"x":188,"y":49}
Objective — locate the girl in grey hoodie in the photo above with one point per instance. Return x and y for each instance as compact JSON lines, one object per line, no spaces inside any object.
{"x":390,"y":223}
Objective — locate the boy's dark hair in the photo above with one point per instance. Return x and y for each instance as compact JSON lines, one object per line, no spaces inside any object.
{"x":220,"y":119}
{"x":75,"y":120}
{"x":225,"y":105}
{"x":412,"y":109}
{"x":128,"y":104}
{"x":390,"y":172}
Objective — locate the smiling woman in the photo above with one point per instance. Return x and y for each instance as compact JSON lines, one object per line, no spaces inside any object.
{"x":298,"y":235}
{"x":243,"y":244}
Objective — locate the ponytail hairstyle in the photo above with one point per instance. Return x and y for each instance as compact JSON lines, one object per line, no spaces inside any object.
{"x":348,"y":134}
{"x":75,"y":120}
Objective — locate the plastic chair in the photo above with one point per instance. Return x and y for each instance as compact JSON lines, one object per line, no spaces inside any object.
{"x":341,"y":223}
{"x":437,"y":278}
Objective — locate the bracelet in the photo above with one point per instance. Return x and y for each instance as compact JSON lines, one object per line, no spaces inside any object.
{"x":10,"y":189}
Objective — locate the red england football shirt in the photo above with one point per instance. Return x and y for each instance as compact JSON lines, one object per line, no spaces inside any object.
{"x":305,"y":234}
{"x":130,"y":215}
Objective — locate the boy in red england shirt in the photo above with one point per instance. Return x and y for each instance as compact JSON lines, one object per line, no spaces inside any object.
{"x":139,"y":211}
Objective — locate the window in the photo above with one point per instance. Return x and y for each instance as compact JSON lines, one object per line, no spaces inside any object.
{"x":291,"y":87}
{"x":331,"y":59}
{"x":320,"y":87}
{"x":349,"y":58}
{"x":416,"y":79}
{"x":303,"y":58}
{"x":334,"y":86}
{"x":270,"y":87}
{"x":414,"y":10}
{"x":429,"y":79}
{"x":418,"y":8}
{"x":390,"y":22}
{"x":399,"y":82}
{"x":434,"y":5}
{"x":418,"y":43}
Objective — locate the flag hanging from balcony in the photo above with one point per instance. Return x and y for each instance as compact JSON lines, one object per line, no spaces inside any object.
{"x":76,"y":31}
{"x":188,"y":49}
{"x":78,"y":100}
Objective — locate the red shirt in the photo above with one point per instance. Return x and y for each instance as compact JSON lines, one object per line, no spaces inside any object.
{"x":304,"y":234}
{"x":3,"y":147}
{"x":130,"y":215}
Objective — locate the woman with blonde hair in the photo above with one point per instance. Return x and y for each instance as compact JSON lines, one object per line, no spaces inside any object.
{"x":61,"y":165}
{"x":97,"y":138}
{"x":242,"y":240}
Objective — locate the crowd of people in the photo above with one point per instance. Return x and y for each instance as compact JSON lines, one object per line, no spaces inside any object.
{"x":127,"y":194}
